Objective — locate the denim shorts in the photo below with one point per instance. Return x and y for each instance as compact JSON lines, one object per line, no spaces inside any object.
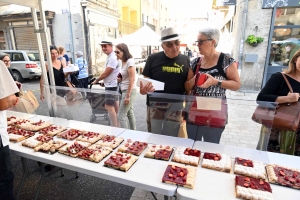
{"x":111,"y":99}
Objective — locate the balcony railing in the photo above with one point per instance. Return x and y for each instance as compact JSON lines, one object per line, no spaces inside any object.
{"x":126,"y":28}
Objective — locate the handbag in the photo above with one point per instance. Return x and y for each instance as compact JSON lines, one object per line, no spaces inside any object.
{"x":211,"y":118}
{"x":286,"y":116}
{"x":29,"y":102}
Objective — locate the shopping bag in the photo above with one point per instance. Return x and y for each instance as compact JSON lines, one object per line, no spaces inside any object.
{"x":29,"y":104}
{"x":182,"y":133}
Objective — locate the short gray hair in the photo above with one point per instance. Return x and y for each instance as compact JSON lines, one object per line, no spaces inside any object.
{"x":211,"y":33}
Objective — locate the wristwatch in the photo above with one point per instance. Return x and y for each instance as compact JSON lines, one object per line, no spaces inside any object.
{"x":219,"y":83}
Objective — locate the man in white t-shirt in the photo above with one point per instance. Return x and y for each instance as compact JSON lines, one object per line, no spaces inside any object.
{"x":7,"y":99}
{"x":109,"y":77}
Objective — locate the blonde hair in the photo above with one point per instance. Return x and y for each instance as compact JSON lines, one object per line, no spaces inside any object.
{"x":60,"y":50}
{"x":292,"y":65}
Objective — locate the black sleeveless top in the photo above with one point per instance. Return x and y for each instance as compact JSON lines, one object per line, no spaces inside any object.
{"x":59,"y":76}
{"x":218,"y":72}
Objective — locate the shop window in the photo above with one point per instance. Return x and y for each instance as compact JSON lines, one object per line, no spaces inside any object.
{"x":287,"y":16}
{"x":285,"y":42}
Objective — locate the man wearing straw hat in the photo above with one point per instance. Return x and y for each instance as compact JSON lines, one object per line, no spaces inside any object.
{"x":168,"y":66}
{"x":109,"y":77}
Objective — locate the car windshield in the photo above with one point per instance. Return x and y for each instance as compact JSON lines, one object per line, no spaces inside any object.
{"x":33,"y":56}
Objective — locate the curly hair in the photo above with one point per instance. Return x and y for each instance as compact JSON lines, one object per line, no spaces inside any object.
{"x":124,"y":48}
{"x":292,"y":65}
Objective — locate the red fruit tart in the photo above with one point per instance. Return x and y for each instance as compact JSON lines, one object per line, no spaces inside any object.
{"x":133,"y":147}
{"x":187,"y":156}
{"x":180,"y":175}
{"x":251,"y":188}
{"x":121,"y":161}
{"x":110,"y":141}
{"x":216,"y":161}
{"x":161,"y":152}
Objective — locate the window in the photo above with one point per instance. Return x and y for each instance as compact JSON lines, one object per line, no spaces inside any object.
{"x":17,"y":57}
{"x":287,"y":16}
{"x":33,"y":56}
{"x":285,"y":43}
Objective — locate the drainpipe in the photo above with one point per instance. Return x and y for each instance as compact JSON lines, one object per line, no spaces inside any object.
{"x":243,"y":33}
{"x":71,"y":30}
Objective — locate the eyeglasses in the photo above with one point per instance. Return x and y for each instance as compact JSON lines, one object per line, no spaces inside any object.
{"x":6,"y":61}
{"x":200,"y":42}
{"x":103,"y":45}
{"x":117,"y":52}
{"x":170,"y":44}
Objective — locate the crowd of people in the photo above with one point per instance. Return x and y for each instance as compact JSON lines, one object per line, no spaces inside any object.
{"x":169,"y":66}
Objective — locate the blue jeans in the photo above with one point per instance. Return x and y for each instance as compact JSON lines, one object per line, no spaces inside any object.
{"x":127,"y":110}
{"x":6,"y":174}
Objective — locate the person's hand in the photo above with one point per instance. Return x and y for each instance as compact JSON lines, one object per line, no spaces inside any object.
{"x":292,"y":97}
{"x":127,"y":100}
{"x":147,"y":88}
{"x":73,"y":90}
{"x":209,"y":82}
{"x":42,"y":96}
{"x":119,"y":80}
{"x":94,"y":82}
{"x":18,"y":84}
{"x":14,"y":100}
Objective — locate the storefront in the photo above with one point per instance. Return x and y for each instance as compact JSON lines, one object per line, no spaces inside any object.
{"x":20,"y":32}
{"x":284,"y":39}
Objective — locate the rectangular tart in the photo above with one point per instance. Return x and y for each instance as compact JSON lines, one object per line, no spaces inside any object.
{"x":31,"y":142}
{"x":283,"y":176}
{"x":52,"y":130}
{"x":95,"y":153}
{"x":133,"y":147}
{"x":15,"y":137}
{"x":215,"y":161}
{"x":32,"y":126}
{"x":74,"y":148}
{"x":160,"y":152}
{"x":251,"y":188}
{"x":121,"y":161}
{"x":90,"y":137}
{"x":162,"y":105}
{"x":180,"y":175}
{"x":18,"y":131}
{"x":50,"y":147}
{"x":249,"y":168}
{"x":187,"y":156}
{"x":110,"y":141}
{"x":70,"y":134}
{"x":11,"y":120}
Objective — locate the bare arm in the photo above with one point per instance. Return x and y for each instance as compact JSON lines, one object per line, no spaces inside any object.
{"x":106,"y":73}
{"x":8,"y":102}
{"x":190,"y":82}
{"x":233,"y":82}
{"x":131,"y":73}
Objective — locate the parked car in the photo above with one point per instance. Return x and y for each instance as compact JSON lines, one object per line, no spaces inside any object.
{"x":24,"y":64}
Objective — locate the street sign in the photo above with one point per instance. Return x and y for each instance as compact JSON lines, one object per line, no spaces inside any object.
{"x":226,"y":3}
{"x":280,"y":3}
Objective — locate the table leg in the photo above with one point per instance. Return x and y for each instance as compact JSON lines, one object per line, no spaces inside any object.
{"x":25,"y":173}
{"x":153,"y":195}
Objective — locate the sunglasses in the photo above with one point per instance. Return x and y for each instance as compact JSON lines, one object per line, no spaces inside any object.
{"x":6,"y":61}
{"x":117,"y":52}
{"x":200,"y":42}
{"x":170,"y":44}
{"x":103,"y":45}
{"x":52,"y":47}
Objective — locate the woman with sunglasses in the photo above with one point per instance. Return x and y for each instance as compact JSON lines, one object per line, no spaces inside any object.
{"x":220,"y":73}
{"x":128,"y":87}
{"x":5,"y":58}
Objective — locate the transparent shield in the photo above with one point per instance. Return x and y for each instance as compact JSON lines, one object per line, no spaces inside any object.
{"x":97,"y":106}
{"x":233,"y":122}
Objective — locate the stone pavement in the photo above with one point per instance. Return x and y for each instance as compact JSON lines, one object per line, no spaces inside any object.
{"x":240,"y":131}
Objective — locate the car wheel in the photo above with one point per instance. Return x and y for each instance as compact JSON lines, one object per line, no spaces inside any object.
{"x":18,"y":76}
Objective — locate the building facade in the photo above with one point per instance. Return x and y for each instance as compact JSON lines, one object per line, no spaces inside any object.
{"x":278,"y":22}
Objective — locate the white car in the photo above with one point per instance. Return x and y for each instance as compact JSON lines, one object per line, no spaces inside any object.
{"x":24,"y":64}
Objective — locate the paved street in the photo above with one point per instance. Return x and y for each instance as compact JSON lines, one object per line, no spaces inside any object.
{"x":240,"y":131}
